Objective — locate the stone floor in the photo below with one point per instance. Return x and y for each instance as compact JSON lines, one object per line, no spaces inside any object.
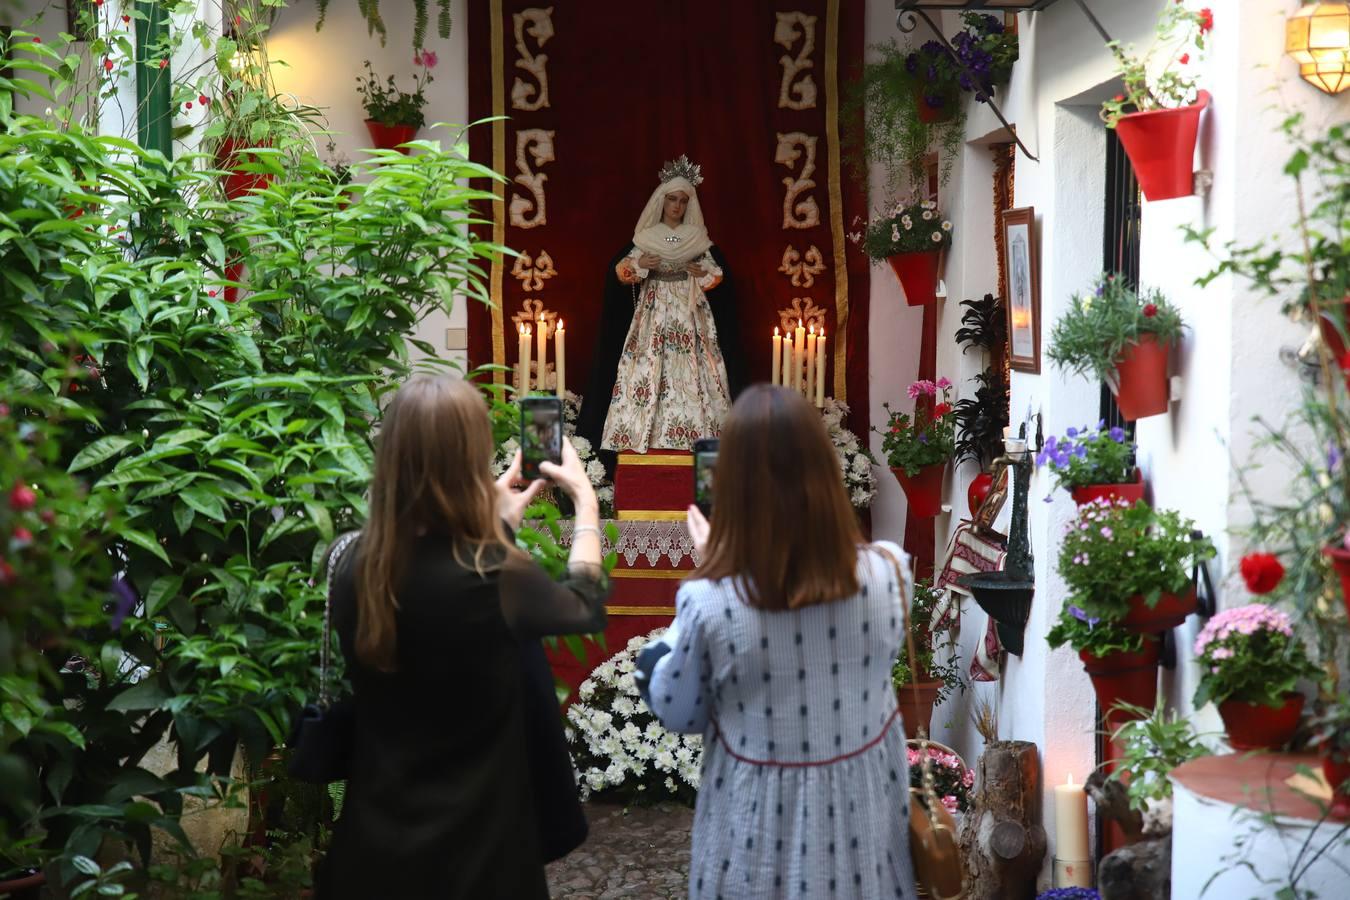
{"x":636,"y":852}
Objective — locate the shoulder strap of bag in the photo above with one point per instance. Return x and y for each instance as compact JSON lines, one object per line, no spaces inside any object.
{"x":325,"y":649}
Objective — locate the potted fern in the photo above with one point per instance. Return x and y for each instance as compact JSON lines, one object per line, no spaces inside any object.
{"x":393,"y":115}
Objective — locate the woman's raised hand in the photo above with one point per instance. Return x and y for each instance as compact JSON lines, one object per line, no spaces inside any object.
{"x":698,"y":528}
{"x":511,"y":501}
{"x":571,"y":477}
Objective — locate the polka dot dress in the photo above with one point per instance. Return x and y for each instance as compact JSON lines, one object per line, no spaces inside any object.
{"x":805,"y":788}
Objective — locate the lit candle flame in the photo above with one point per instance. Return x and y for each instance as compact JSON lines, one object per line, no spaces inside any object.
{"x":775,"y":331}
{"x":560,"y":324}
{"x":813,"y":328}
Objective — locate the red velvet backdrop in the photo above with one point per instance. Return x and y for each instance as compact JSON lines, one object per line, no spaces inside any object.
{"x":633,"y":83}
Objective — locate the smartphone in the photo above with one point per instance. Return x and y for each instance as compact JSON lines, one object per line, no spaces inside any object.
{"x":705,"y":469}
{"x":541,"y":434}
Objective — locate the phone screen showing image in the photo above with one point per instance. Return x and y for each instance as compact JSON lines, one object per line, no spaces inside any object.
{"x":541,"y":433}
{"x":705,"y":468}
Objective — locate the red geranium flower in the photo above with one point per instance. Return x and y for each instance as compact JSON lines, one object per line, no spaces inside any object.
{"x":107,"y":65}
{"x":1119,"y":98}
{"x":1206,"y":19}
{"x":1185,"y":58}
{"x":22,"y":497}
{"x":23,"y":535}
{"x":941,"y":410}
{"x":1150,"y":310}
{"x":1261,"y":571}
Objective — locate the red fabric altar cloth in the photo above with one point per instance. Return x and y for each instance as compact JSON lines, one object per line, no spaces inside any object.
{"x":630,"y":84}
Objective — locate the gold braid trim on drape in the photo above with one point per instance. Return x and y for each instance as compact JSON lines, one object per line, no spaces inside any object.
{"x":1005,"y":167}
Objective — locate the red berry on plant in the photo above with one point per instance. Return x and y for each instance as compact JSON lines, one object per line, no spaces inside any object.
{"x":22,"y":498}
{"x":37,"y":40}
{"x":188,"y":104}
{"x":203,"y":99}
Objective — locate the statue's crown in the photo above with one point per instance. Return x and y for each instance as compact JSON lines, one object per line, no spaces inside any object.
{"x":681,"y":168}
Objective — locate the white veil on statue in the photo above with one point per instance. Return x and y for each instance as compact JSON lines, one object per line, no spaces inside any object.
{"x":675,"y":246}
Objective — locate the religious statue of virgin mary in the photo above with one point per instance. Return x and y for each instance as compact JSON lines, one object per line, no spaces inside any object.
{"x":660,"y":378}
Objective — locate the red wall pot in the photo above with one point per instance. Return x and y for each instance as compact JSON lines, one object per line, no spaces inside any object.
{"x":1128,"y":491}
{"x":238,"y":184}
{"x":1171,"y":611}
{"x":1337,"y":775}
{"x":918,"y":274}
{"x":233,"y":272}
{"x":1340,"y":561}
{"x":1141,"y":387}
{"x":1132,"y":677}
{"x":929,"y":114}
{"x":388,"y":137}
{"x":1161,"y":147}
{"x":979,"y":488}
{"x":1255,"y":726}
{"x":924,"y":491}
{"x":914,"y":713}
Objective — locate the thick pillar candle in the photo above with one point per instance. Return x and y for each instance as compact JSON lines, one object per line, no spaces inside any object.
{"x":542,"y":362}
{"x":777,"y":357}
{"x":524,"y":360}
{"x":799,"y":359}
{"x":560,"y":352}
{"x":820,"y":369}
{"x":1073,"y":862}
{"x":788,"y":351}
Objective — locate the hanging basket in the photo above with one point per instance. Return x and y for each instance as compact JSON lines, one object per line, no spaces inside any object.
{"x":931,"y":114}
{"x":229,"y":156}
{"x":924,"y":490}
{"x":1170,"y":611}
{"x":918,"y":274}
{"x":916,"y":712}
{"x":1128,"y":677}
{"x":389,"y":137}
{"x":1130,"y":491}
{"x":1140,"y":383}
{"x":1161,"y":147}
{"x":1255,"y":726}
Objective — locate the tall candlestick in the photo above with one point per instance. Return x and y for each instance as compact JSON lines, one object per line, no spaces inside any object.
{"x":811,"y":365}
{"x":820,"y":369}
{"x":542,"y":362}
{"x":1073,"y":863}
{"x":777,"y":356}
{"x":560,"y":351}
{"x":525,"y":334}
{"x":787,"y":360}
{"x":800,"y":359}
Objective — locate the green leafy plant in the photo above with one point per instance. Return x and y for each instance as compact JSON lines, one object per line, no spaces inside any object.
{"x":1083,"y":632}
{"x":893,"y":136}
{"x":987,"y":50}
{"x":370,"y":11}
{"x":980,"y":420}
{"x":926,"y":439}
{"x":390,"y":105}
{"x":1097,"y":327}
{"x":1249,"y":653}
{"x":914,"y":227}
{"x":1151,"y":746}
{"x":1086,"y":457}
{"x":1114,"y":551}
{"x":936,"y":651}
{"x":1180,"y":29}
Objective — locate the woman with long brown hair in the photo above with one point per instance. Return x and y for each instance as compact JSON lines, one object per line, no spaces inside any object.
{"x":432,"y":605}
{"x":780,"y":655}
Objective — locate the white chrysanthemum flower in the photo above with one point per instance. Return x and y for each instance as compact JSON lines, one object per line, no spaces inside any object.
{"x":595,"y":471}
{"x":628,"y":684}
{"x":615,"y":773}
{"x":581,"y":445}
{"x":624,"y":707}
{"x":569,"y":734}
{"x":595,"y":779}
{"x":605,"y":494}
{"x":627,"y":665}
{"x":665,"y":761}
{"x":604,"y":673}
{"x":670,"y":784}
{"x":587,"y":689}
{"x":654,"y":731}
{"x":685,"y":755}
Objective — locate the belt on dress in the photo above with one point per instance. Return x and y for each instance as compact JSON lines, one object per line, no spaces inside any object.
{"x":669,"y":276}
{"x":812,"y":763}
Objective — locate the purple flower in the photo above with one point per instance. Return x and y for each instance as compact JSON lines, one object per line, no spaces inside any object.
{"x":1071,"y":432}
{"x":923,"y":438}
{"x":1101,"y":423}
{"x":1080,"y":451}
{"x":1333,"y":457}
{"x":1117,"y":434}
{"x":124,"y":601}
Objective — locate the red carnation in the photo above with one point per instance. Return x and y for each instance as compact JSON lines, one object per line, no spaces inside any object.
{"x":1261,"y":571}
{"x":1185,"y":58}
{"x":1150,"y":310}
{"x":107,"y":65}
{"x":1206,"y":19}
{"x":941,"y":410}
{"x":22,"y":497}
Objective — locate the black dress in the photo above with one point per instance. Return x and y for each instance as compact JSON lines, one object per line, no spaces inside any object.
{"x":441,"y":802}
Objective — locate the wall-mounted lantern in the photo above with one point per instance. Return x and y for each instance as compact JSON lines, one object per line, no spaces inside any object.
{"x":1318,"y":38}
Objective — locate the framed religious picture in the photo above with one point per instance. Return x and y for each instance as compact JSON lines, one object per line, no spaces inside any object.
{"x":1023,"y":303}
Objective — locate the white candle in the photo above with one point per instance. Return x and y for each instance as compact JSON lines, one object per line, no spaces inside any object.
{"x":820,"y":369}
{"x":560,"y":351}
{"x":787,"y":361}
{"x":811,"y":365}
{"x":542,"y":362}
{"x":524,"y":360}
{"x":777,"y":356}
{"x":800,"y":358}
{"x":1072,"y":860}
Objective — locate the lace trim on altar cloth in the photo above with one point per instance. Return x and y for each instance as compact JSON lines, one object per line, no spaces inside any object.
{"x":652,"y":541}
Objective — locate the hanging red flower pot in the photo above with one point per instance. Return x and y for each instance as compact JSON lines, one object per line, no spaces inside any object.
{"x":1123,"y":676}
{"x":1338,"y":776}
{"x":1340,"y":561}
{"x":1255,"y":726}
{"x":924,"y":490}
{"x":388,"y":137}
{"x":918,"y":711}
{"x":932,"y":113}
{"x":236,"y":183}
{"x":1331,"y":336}
{"x":918,"y":274}
{"x":1140,"y":386}
{"x":1129,"y":491}
{"x":979,"y":488}
{"x":1170,"y":611}
{"x":1161,"y":147}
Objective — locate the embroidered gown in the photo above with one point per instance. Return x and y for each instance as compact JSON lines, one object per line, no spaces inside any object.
{"x":671,"y":387}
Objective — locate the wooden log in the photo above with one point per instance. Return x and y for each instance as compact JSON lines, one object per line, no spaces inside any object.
{"x":1141,"y":871}
{"x":1002,"y":840}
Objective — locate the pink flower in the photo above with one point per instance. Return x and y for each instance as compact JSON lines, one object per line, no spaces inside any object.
{"x":943,"y":383}
{"x":426,"y":59}
{"x":923,"y":388}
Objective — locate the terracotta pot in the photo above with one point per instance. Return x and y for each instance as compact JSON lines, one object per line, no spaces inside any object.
{"x":1130,"y":492}
{"x":929,"y":114}
{"x":388,"y":137}
{"x":236,"y":184}
{"x":29,"y":887}
{"x":979,"y":488}
{"x":1340,"y":561}
{"x":233,"y":272}
{"x":1330,"y":330}
{"x":1171,"y":611}
{"x":1141,"y":379}
{"x":1255,"y":726}
{"x":924,"y":490}
{"x":916,"y":712}
{"x":1338,"y":776}
{"x":918,"y":274}
{"x":1161,"y":147}
{"x":1131,"y":677}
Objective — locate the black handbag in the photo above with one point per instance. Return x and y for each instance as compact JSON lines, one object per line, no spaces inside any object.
{"x":325,"y":731}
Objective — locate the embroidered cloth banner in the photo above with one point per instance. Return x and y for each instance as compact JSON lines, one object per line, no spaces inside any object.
{"x":600,"y":94}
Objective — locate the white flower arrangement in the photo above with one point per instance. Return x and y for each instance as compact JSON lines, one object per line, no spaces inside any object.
{"x":855,"y":461}
{"x":619,"y":748}
{"x":595,"y":470}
